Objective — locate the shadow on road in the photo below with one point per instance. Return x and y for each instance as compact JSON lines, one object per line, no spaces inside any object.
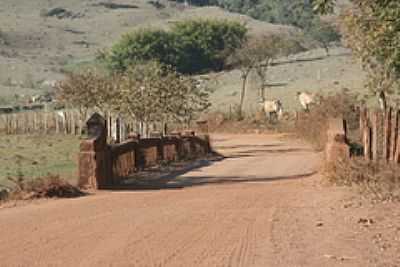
{"x":177,"y":180}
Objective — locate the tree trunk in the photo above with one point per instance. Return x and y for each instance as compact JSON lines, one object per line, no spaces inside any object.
{"x":243,"y":92}
{"x":326,"y":47}
{"x":263,"y":92}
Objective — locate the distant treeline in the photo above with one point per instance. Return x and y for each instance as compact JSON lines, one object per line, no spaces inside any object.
{"x":298,"y":13}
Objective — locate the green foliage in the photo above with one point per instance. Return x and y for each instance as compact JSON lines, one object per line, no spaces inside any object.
{"x":298,"y":13}
{"x":147,"y":92}
{"x":142,"y":45}
{"x":372,"y":30}
{"x":205,"y":44}
{"x":323,"y":32}
{"x":155,"y":92}
{"x":190,"y":46}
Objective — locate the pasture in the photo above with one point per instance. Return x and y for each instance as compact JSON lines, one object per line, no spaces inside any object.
{"x":42,"y":49}
{"x":37,"y":155}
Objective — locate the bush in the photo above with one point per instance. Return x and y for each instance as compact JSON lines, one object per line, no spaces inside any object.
{"x":190,"y":46}
{"x":298,"y":13}
{"x":142,"y":45}
{"x":43,"y":187}
{"x":311,"y":125}
{"x":379,"y":181}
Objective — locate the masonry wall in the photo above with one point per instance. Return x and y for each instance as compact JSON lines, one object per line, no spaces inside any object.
{"x":337,"y":145}
{"x":102,"y":165}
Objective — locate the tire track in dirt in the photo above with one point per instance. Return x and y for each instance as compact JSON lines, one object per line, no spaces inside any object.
{"x":224,"y":222}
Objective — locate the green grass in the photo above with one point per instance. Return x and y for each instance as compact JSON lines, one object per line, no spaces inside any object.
{"x":38,"y":155}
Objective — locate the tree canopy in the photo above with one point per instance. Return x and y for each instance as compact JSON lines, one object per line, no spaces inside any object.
{"x":148,"y":92}
{"x":372,"y":30}
{"x":191,"y":46}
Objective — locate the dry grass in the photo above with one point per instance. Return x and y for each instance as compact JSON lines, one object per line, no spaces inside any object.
{"x":38,"y":155}
{"x":311,"y":125}
{"x":51,"y":186}
{"x":231,"y":122}
{"x":376,"y":180}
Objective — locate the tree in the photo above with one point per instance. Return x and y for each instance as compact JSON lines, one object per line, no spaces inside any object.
{"x":325,"y":33}
{"x":153,"y":92}
{"x":190,"y":46}
{"x":257,"y":54}
{"x":86,"y":90}
{"x":372,"y":30}
{"x":148,"y":92}
{"x":205,"y":44}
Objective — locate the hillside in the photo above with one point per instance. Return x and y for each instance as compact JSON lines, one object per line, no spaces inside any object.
{"x":36,"y":47}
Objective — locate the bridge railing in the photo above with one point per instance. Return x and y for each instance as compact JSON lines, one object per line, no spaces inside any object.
{"x":102,"y":165}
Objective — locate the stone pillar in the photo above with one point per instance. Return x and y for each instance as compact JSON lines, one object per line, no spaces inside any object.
{"x":336,"y":146}
{"x":94,"y":169}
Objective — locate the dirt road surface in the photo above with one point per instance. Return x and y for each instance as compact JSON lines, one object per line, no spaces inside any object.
{"x":261,"y":206}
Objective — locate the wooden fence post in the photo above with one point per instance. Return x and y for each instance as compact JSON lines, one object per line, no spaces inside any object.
{"x":387,"y":133}
{"x":363,"y":120}
{"x":118,"y":130}
{"x":367,"y":134}
{"x":65,"y":122}
{"x":394,"y":133}
{"x":397,"y":152}
{"x":45,"y":122}
{"x":57,"y":125}
{"x":375,"y":134}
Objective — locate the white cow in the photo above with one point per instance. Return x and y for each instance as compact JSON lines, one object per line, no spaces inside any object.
{"x":306,"y":99}
{"x":273,"y":108}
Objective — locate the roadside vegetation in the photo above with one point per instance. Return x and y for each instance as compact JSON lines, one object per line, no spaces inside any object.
{"x":33,"y":166}
{"x":371,"y":30}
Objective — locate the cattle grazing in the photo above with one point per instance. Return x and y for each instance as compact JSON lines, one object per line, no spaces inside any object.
{"x":305,"y":99}
{"x":273,"y":108}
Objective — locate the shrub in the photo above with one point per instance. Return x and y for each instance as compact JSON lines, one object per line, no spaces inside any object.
{"x":42,"y":187}
{"x":377,"y":180}
{"x":206,"y":44}
{"x":311,"y":125}
{"x":142,"y":45}
{"x":190,"y":46}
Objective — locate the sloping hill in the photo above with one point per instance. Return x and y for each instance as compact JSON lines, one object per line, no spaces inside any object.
{"x":39,"y":37}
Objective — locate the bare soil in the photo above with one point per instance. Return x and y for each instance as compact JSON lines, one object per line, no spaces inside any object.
{"x":261,"y":205}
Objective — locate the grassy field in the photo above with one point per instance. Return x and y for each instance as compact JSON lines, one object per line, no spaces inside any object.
{"x":34,"y":156}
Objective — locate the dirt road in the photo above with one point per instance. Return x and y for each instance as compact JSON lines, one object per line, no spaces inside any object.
{"x":261,"y":206}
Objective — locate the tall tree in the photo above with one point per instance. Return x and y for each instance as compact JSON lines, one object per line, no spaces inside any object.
{"x":372,"y":30}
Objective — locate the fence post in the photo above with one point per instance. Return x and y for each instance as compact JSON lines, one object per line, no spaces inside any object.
{"x":118,"y":130}
{"x":397,"y":152}
{"x":94,"y":168}
{"x":386,"y":134}
{"x":16,"y":123}
{"x":57,"y":125}
{"x":367,"y":142}
{"x":375,"y":123}
{"x":395,"y":128}
{"x":45,"y":122}
{"x":363,"y":120}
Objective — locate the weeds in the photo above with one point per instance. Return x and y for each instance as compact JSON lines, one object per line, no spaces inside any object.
{"x":378,"y":180}
{"x":311,"y":125}
{"x":50,"y":186}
